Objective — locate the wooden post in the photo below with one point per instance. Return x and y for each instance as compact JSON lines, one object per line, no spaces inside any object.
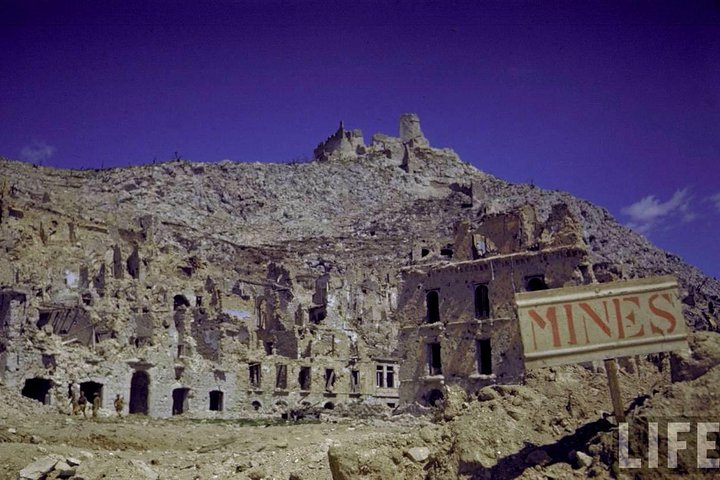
{"x":614,"y":384}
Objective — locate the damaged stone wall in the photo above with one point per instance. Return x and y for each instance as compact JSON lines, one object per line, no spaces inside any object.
{"x":459,"y":323}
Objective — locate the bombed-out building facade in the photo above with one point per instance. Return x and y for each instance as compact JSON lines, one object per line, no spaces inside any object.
{"x":121,"y":309}
{"x":459,"y":321}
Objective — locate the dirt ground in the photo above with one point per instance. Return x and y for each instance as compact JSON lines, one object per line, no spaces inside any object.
{"x":183,"y":449}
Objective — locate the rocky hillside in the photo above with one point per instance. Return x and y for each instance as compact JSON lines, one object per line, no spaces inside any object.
{"x":358,"y":216}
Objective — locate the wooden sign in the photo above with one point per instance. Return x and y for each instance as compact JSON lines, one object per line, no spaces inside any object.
{"x":600,"y":321}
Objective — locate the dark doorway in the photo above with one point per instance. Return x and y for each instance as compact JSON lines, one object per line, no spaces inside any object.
{"x":38,"y":389}
{"x":432,"y":301}
{"x":139,"y":391}
{"x":180,"y":401}
{"x":482,"y":302}
{"x":216,"y":400}
{"x":90,"y":389}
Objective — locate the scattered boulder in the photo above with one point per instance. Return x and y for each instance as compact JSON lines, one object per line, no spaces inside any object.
{"x":418,"y":454}
{"x":145,"y":470}
{"x":582,"y":459}
{"x":39,"y":468}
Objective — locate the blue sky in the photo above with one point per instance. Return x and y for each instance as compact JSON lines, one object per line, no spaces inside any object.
{"x":615,"y":102}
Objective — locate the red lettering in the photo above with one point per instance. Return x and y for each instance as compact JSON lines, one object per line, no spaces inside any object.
{"x":618,"y":316}
{"x":631,"y":316}
{"x":604,"y":326}
{"x":661,"y":314}
{"x":552,"y":319}
{"x":570,"y":324}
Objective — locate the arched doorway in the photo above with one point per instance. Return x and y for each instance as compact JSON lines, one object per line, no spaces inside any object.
{"x":139,"y":392}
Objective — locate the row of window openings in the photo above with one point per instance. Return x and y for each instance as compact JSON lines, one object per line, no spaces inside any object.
{"x":482,"y":298}
{"x":483,"y":357}
{"x":385,"y":377}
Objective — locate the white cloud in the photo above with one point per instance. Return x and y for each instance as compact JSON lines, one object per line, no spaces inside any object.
{"x":37,"y":151}
{"x":715,"y":199}
{"x":649,"y":212}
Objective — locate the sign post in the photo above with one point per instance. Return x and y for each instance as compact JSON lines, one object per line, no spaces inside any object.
{"x":601,"y":321}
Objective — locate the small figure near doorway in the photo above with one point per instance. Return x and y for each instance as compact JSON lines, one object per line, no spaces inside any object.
{"x":82,"y":402}
{"x":95,"y":405}
{"x":119,"y":404}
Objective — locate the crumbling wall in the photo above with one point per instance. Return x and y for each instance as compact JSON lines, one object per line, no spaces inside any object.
{"x":458,"y":324}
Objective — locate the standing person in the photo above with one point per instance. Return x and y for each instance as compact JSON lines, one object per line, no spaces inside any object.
{"x":95,"y":405}
{"x":82,"y":402}
{"x":119,"y":405}
{"x":74,"y":404}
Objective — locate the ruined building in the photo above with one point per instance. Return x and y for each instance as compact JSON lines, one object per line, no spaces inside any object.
{"x":459,"y":324}
{"x":373,"y":274}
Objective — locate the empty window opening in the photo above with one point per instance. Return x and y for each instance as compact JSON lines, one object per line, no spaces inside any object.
{"x":262,"y":314}
{"x":535,"y":283}
{"x":432,"y":301}
{"x":44,"y":319}
{"x":48,"y":361}
{"x":484,"y":357}
{"x":216,"y":401}
{"x":255,"y":375}
{"x":317,"y":314}
{"x":424,"y":252}
{"x":117,"y":262}
{"x":269,"y":348}
{"x":139,"y":391}
{"x":354,"y":381}
{"x":329,"y":406}
{"x":434,"y":359}
{"x":180,"y":350}
{"x":390,"y":376}
{"x":446,"y":252}
{"x":180,"y":301}
{"x":385,"y":375}
{"x":90,"y":389}
{"x":180,"y":400}
{"x":179,"y":372}
{"x":133,"y":264}
{"x":281,"y":377}
{"x":321,"y":290}
{"x":256,"y":405}
{"x":482,"y":301}
{"x":304,"y":378}
{"x":711,"y":308}
{"x":38,"y":389}
{"x":198,"y":301}
{"x":435,"y":398}
{"x":391,"y":404}
{"x":329,"y":379}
